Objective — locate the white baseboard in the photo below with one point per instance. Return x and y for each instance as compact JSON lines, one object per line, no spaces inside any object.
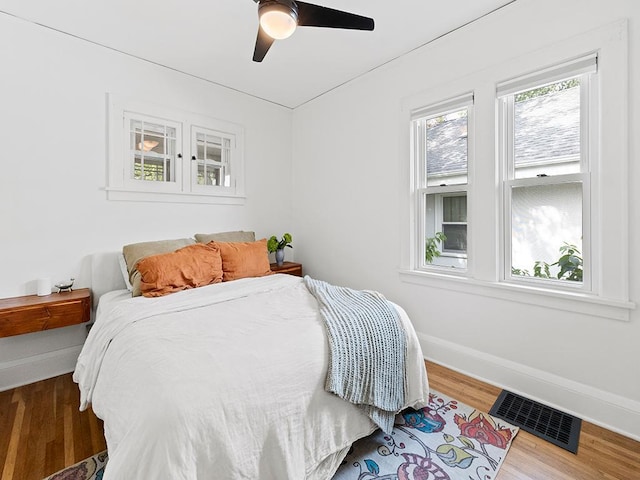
{"x":608,"y":410}
{"x":38,"y":367}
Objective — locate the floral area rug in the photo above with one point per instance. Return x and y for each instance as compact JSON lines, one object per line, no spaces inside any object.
{"x":447,"y":440}
{"x":90,"y":469}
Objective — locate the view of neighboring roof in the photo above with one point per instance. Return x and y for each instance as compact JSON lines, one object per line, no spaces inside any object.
{"x":548,"y":127}
{"x":447,"y":147}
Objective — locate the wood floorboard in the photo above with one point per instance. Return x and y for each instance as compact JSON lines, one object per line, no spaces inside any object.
{"x":7,"y":413}
{"x":42,"y":431}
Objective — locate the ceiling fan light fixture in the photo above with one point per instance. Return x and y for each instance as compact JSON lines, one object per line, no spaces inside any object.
{"x":277,"y":20}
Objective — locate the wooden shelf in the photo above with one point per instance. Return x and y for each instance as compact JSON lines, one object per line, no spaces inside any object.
{"x":291,"y":268}
{"x":31,"y":313}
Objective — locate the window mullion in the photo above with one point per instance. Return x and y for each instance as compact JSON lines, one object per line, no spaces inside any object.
{"x":586,"y":109}
{"x":507,"y":232}
{"x":510,"y":138}
{"x":421,"y":158}
{"x":508,"y":174}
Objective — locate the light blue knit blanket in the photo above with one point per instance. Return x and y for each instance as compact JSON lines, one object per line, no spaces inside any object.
{"x":367,"y":350}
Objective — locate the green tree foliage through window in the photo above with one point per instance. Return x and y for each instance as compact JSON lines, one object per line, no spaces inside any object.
{"x":431,"y":250}
{"x":554,"y":87}
{"x":569,"y":264}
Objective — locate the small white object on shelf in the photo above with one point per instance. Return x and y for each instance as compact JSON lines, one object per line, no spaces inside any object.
{"x":44,"y":287}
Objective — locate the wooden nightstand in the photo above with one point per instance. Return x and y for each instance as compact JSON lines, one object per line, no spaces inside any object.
{"x":291,"y":268}
{"x":32,"y":313}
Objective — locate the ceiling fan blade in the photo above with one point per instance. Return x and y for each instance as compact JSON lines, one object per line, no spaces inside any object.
{"x":310,"y":15}
{"x":263,"y":43}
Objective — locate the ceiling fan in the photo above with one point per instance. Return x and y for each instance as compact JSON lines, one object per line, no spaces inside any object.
{"x":279,"y":19}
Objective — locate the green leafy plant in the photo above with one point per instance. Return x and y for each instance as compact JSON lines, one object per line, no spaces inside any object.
{"x":520,"y":272}
{"x":274,"y":244}
{"x":554,"y":87}
{"x":431,"y":251}
{"x":570,"y":265}
{"x":541,"y":269}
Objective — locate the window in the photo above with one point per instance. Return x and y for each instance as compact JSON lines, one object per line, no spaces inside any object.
{"x":547,"y":191}
{"x":546,"y":175}
{"x":212,"y":160}
{"x":162,"y":154}
{"x":441,"y":153}
{"x":152,"y":152}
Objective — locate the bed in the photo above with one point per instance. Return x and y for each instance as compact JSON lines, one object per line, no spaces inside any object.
{"x":222,"y":381}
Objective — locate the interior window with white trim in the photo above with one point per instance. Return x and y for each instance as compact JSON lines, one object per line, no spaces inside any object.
{"x":546,"y":133}
{"x":212,"y":166}
{"x":153,"y":151}
{"x":441,"y":153}
{"x":162,"y":154}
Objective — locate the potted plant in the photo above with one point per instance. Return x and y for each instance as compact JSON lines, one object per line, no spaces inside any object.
{"x":275,"y":245}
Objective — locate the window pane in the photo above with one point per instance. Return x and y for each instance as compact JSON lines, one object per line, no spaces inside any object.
{"x":213,"y":153}
{"x":151,"y":169}
{"x":209,"y":174}
{"x":445,"y":243}
{"x":547,"y":130}
{"x":209,"y":147}
{"x":456,"y":240}
{"x":154,"y":147}
{"x":137,"y":168}
{"x":446,"y":162}
{"x":454,"y":209}
{"x":545,"y":219}
{"x":225,"y":156}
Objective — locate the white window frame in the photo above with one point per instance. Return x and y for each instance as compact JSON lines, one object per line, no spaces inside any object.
{"x":129,"y":182}
{"x":121,"y":185}
{"x":421,"y":190}
{"x":609,"y":297}
{"x":226,"y":162}
{"x":585,"y":69}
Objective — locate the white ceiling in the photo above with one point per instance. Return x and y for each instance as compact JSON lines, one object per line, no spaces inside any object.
{"x":214,"y":39}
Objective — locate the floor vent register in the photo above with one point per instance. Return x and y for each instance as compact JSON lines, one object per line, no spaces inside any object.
{"x":544,"y":422}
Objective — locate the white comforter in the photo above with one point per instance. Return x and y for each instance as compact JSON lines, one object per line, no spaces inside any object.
{"x":224,"y":382}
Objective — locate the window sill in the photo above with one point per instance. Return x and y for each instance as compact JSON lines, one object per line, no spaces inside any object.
{"x":137,"y":196}
{"x":568,"y":301}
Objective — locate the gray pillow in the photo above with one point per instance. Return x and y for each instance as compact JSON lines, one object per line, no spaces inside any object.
{"x":238,"y":236}
{"x":135,"y":252}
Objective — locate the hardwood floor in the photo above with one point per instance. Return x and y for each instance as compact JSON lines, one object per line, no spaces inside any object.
{"x":42,"y":431}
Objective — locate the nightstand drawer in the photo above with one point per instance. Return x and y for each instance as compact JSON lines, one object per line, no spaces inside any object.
{"x":28,"y":314}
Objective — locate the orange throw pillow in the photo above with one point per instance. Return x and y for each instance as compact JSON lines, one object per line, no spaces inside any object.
{"x":244,"y":259}
{"x":188,"y":267}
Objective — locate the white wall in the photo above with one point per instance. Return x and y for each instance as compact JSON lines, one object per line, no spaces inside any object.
{"x":350,"y":213}
{"x":53,"y":207}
